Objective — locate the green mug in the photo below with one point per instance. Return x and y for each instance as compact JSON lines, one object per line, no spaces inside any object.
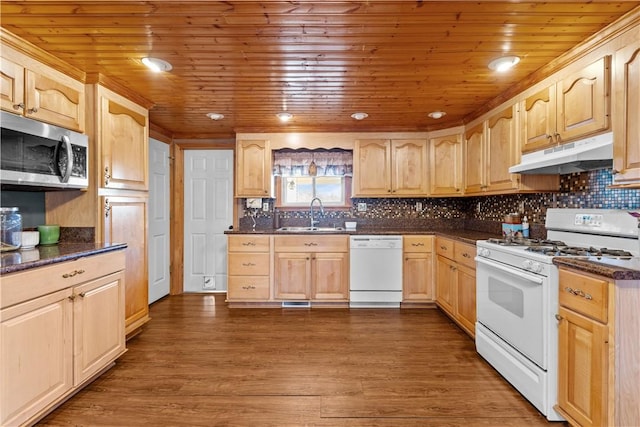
{"x":49,"y":234}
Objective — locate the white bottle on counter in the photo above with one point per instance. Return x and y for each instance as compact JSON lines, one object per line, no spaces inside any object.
{"x":525,"y":227}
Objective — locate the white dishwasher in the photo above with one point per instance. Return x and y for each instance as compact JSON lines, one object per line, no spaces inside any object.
{"x":375,"y":277}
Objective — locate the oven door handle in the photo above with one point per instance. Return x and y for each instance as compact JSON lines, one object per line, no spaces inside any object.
{"x":518,"y":273}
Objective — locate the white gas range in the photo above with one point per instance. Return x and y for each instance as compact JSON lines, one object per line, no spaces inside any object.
{"x":517,"y":294}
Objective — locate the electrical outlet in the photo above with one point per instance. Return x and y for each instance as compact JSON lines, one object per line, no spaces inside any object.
{"x":265,"y":207}
{"x":254,"y":203}
{"x":362,"y":207}
{"x":418,"y":206}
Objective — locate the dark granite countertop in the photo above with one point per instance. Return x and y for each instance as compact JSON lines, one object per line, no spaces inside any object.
{"x":25,"y":259}
{"x":617,"y":269}
{"x":466,"y":236}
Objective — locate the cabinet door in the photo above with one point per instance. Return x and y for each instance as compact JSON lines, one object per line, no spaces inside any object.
{"x":466,"y":298}
{"x":417,"y":276}
{"x":52,"y":101}
{"x":253,"y":168}
{"x":330,"y":276}
{"x":502,"y":151}
{"x":626,"y":111}
{"x":445,"y":165}
{"x":475,"y":160}
{"x":35,"y":355}
{"x":582,"y":369}
{"x":124,"y":143}
{"x":98,"y":313}
{"x":292,"y":275}
{"x":539,"y":120}
{"x":372,"y":168}
{"x":583,"y":101}
{"x":409,"y":167}
{"x":11,"y":86}
{"x":125,"y":221}
{"x":446,"y":277}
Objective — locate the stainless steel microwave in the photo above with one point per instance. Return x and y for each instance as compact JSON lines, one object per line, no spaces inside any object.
{"x":36,"y":155}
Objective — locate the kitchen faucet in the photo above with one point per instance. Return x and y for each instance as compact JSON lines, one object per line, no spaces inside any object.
{"x":311,"y":210}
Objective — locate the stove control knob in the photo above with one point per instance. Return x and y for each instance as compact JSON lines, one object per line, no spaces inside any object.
{"x":536,"y":267}
{"x":527,"y":264}
{"x":484,"y":252}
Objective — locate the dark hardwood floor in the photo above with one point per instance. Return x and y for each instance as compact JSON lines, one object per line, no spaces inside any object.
{"x":198,"y":363}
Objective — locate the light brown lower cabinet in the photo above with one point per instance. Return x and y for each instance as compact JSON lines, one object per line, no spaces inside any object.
{"x":248,"y":268}
{"x":58,"y":333}
{"x":456,"y":282}
{"x":598,"y":348}
{"x":417,"y":269}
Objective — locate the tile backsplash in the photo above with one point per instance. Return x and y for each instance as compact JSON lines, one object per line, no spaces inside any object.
{"x":579,"y":190}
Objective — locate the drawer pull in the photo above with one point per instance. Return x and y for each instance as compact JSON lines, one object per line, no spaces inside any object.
{"x":107,"y":175}
{"x":579,"y":293}
{"x":417,"y":244}
{"x":73,"y":273}
{"x":249,"y":244}
{"x":248,"y":264}
{"x":311,"y":244}
{"x":444,"y":248}
{"x":248,"y":287}
{"x":466,"y":255}
{"x":82,"y":294}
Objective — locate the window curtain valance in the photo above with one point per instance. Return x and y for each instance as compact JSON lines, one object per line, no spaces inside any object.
{"x":327,"y":162}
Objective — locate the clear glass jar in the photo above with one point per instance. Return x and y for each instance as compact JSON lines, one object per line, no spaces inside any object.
{"x":11,"y":229}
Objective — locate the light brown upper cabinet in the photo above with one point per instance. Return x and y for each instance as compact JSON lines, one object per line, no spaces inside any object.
{"x":34,"y":90}
{"x":574,"y":107}
{"x":626,"y":111}
{"x":123,"y":129}
{"x":390,"y":167}
{"x":445,"y":154}
{"x":253,"y":168}
{"x":474,"y":160}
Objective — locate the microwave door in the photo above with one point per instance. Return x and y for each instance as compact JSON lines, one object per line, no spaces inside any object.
{"x":64,"y":159}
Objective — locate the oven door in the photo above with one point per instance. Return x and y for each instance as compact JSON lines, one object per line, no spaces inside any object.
{"x":510,"y":304}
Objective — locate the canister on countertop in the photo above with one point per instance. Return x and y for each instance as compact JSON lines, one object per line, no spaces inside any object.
{"x":10,"y":228}
{"x":512,"y":226}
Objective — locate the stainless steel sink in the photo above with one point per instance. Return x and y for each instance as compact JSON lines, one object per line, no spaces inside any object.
{"x":310,"y":229}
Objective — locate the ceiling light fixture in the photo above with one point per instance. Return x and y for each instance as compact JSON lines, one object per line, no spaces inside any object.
{"x":284,"y":116}
{"x":437,"y":114}
{"x":359,"y":116}
{"x":215,"y":116}
{"x":504,"y":63}
{"x":157,"y":65}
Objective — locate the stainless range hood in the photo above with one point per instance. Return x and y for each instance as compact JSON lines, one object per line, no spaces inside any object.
{"x":591,"y":153}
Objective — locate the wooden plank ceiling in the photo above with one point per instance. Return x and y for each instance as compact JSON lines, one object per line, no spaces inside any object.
{"x":320,"y":60}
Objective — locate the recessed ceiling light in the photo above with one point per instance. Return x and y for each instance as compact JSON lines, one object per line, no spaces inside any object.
{"x":156,"y":65}
{"x":437,"y":114}
{"x":215,"y":116}
{"x":504,"y":63}
{"x":284,"y":116}
{"x":359,"y":116}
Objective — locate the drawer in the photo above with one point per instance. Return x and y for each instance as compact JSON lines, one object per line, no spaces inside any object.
{"x":584,"y":294}
{"x":248,"y":243}
{"x":51,"y":278}
{"x":248,"y":264}
{"x":248,"y":288}
{"x":465,"y":254}
{"x":444,"y":247}
{"x":417,"y":243}
{"x":310,"y":243}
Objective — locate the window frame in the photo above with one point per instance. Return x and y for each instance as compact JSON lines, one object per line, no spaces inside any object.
{"x":278,"y":183}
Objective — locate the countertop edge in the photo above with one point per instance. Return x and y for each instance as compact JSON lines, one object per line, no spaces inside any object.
{"x":65,"y":252}
{"x":606,"y":267}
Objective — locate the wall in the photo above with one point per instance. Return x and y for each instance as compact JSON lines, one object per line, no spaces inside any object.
{"x":31,"y":206}
{"x":580,"y":190}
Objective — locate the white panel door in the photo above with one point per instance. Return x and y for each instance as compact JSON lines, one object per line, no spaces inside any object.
{"x":159,"y":199}
{"x":208,"y":212}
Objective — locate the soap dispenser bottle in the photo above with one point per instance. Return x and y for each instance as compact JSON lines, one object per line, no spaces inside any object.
{"x":525,"y":227}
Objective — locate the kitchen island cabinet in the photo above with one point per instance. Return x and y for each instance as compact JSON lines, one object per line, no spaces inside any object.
{"x":456,"y":282}
{"x":390,"y":167}
{"x":58,"y":333}
{"x":308,"y":267}
{"x":598,"y":378}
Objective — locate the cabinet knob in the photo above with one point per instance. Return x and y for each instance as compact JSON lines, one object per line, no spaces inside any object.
{"x":615,"y":171}
{"x":33,"y":110}
{"x":558,"y":317}
{"x":107,"y":208}
{"x":82,"y":294}
{"x":466,"y":255}
{"x":72,"y":297}
{"x":19,"y":106}
{"x":107,"y":175}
